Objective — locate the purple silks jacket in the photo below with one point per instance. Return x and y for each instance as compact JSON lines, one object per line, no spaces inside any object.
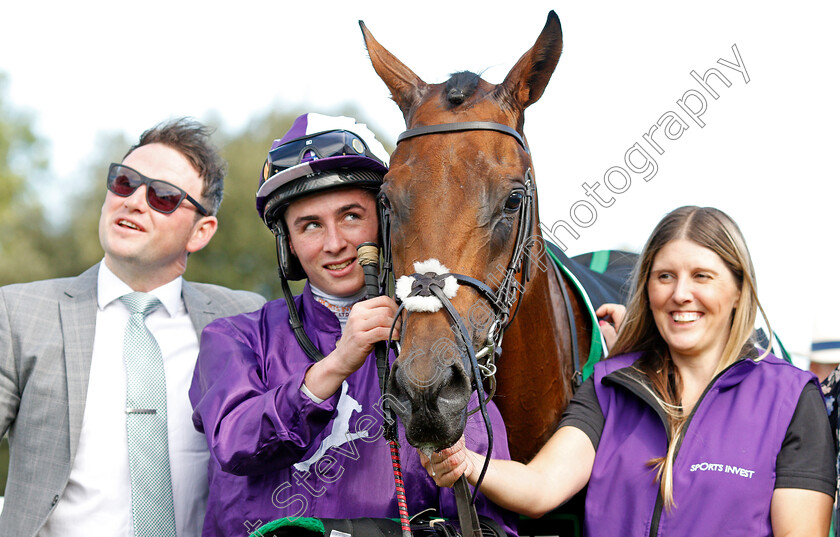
{"x":725,"y":469}
{"x":275,"y":453}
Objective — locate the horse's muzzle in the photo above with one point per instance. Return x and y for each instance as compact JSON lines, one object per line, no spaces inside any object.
{"x":432,"y":406}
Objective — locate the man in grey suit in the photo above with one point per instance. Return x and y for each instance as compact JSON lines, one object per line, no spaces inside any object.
{"x":62,"y":370}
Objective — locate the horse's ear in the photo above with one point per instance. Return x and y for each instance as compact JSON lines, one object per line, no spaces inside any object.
{"x":405,"y":86}
{"x":525,"y":83}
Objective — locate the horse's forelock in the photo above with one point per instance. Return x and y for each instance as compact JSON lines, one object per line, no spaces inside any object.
{"x":461,"y":86}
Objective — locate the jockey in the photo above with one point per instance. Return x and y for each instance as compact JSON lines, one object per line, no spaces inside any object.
{"x":288,"y":396}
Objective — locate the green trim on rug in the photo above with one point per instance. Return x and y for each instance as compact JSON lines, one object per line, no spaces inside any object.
{"x":600,"y":260}
{"x":595,"y":346}
{"x":313,"y":525}
{"x":785,"y":354}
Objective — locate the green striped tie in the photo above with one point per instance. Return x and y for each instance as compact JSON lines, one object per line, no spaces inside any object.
{"x":152,"y":508}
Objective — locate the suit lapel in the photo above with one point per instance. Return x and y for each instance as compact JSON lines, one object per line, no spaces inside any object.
{"x":77,"y":309}
{"x":199,"y":307}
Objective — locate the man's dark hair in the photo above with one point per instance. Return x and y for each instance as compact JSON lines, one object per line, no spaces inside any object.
{"x":192,"y":139}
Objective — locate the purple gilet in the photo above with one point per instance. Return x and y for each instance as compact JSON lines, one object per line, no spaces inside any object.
{"x":724,"y":471}
{"x":275,"y":453}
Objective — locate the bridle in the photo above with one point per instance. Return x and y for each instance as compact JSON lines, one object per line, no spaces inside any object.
{"x":501,"y":300}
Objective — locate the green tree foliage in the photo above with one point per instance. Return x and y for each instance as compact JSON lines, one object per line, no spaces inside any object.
{"x":25,"y":243}
{"x":241,"y":254}
{"x":79,"y":247}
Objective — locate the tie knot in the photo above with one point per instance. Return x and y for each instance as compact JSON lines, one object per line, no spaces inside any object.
{"x":140,"y":302}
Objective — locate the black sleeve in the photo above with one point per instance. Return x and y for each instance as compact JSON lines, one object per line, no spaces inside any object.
{"x":584,"y":412}
{"x":807,"y":457}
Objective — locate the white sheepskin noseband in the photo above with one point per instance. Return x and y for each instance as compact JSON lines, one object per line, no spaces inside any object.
{"x":429,"y":304}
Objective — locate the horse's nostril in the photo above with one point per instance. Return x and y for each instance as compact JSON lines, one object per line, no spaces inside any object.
{"x":400,"y":397}
{"x":394,"y":383}
{"x":454,"y":388}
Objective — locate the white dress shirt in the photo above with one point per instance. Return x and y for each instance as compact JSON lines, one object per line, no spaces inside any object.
{"x":97,"y":500}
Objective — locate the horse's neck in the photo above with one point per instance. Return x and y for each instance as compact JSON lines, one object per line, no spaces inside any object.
{"x":535,"y":373}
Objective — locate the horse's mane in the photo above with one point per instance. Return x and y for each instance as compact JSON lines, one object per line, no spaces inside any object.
{"x":461,"y":86}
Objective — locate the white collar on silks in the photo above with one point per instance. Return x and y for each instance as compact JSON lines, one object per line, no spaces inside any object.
{"x":428,"y":304}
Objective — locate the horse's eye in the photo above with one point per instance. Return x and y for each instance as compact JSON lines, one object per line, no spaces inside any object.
{"x":514,"y":201}
{"x":384,"y":201}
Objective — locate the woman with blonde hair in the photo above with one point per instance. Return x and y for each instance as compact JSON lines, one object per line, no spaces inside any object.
{"x":688,"y":428}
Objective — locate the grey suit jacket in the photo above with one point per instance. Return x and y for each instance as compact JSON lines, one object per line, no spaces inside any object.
{"x":46,"y":344}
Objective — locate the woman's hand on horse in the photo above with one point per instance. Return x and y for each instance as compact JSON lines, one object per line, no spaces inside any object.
{"x":610,"y":316}
{"x":369,"y":323}
{"x":447,"y":465}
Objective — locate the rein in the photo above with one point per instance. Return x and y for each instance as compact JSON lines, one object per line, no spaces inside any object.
{"x":502,"y":301}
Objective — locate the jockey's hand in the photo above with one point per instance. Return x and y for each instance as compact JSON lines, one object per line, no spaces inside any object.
{"x":447,"y":465}
{"x":369,"y":323}
{"x":610,"y":316}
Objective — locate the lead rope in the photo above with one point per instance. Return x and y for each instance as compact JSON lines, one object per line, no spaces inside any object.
{"x":368,"y":254}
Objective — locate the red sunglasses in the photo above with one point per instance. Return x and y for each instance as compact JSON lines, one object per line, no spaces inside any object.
{"x":162,"y":196}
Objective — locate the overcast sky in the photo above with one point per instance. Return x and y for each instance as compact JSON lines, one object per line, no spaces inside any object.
{"x":765,"y":151}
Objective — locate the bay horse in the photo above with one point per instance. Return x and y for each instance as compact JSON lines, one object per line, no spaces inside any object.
{"x":465,"y":198}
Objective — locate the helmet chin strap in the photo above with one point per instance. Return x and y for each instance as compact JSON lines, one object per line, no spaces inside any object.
{"x":294,"y":318}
